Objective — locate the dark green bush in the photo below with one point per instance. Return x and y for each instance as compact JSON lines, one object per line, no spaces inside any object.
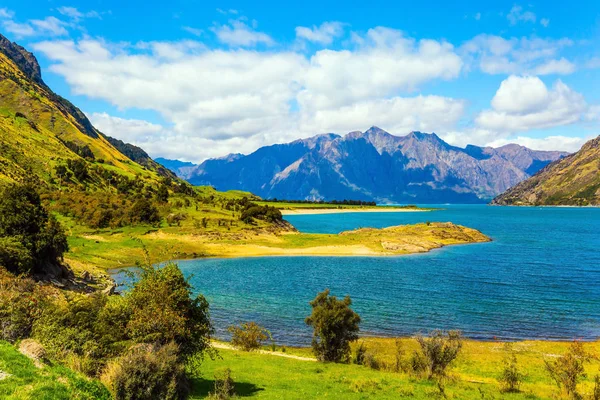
{"x":147,"y":372}
{"x":224,"y":386}
{"x":143,"y":211}
{"x":511,"y":376}
{"x":335,"y":325}
{"x":23,"y":219}
{"x":163,"y":310}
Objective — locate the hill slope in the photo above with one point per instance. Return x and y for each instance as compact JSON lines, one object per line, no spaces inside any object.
{"x":574,"y":180}
{"x":39,"y":130}
{"x":374,"y":165}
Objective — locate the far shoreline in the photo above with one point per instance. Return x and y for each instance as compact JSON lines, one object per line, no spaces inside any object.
{"x":319,"y":211}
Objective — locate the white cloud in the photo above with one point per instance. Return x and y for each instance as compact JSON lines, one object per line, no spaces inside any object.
{"x":384,"y":63}
{"x":497,"y":55}
{"x":561,"y":67}
{"x":545,"y":22}
{"x":550,"y":143}
{"x":323,"y":34}
{"x":193,"y":31}
{"x":525,"y":103}
{"x":593,"y":63}
{"x":5,"y":13}
{"x":236,"y":99}
{"x":238,"y":34}
{"x":77,"y":15}
{"x":397,"y":114}
{"x":49,"y":26}
{"x":478,"y":16}
{"x":517,"y":14}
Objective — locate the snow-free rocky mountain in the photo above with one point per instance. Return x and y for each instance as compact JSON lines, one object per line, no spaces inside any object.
{"x":373,"y":165}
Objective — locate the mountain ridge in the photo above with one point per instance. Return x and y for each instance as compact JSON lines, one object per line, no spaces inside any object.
{"x":374,"y":165}
{"x":573,"y":180}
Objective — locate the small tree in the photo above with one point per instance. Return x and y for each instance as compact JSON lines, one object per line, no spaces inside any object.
{"x":568,"y":369}
{"x":248,"y":336}
{"x":439,"y":350}
{"x":162,"y":194}
{"x":335,"y":325}
{"x":511,"y":376}
{"x":596,"y":392}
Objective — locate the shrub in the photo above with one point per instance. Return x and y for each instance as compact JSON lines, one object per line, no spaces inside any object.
{"x":439,"y":350}
{"x":511,"y":376}
{"x":569,"y":369}
{"x":26,"y":227}
{"x":21,"y":302}
{"x":335,"y":325}
{"x":359,"y":356}
{"x":224,"y":388}
{"x":248,"y":336}
{"x":163,"y":310}
{"x":143,"y":211}
{"x":596,"y":391}
{"x":147,"y":372}
{"x":162,"y":194}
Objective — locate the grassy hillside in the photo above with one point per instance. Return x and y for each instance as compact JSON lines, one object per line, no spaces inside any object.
{"x":23,"y":380}
{"x":475,"y":374}
{"x":574,"y":180}
{"x":40,"y":131}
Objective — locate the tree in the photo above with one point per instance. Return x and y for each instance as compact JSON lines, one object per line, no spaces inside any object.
{"x":143,"y":211}
{"x":23,"y":219}
{"x":162,"y":194}
{"x":439,"y":350}
{"x":511,"y":376}
{"x":569,"y":369}
{"x":163,"y":310}
{"x":335,"y":326}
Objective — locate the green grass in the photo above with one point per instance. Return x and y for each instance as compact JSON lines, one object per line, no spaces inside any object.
{"x":474,"y":375}
{"x":51,"y":382}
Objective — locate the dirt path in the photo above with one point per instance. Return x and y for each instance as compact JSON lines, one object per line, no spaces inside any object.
{"x":226,"y":346}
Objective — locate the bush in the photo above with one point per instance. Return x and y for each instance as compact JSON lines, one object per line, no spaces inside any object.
{"x":248,"y":336}
{"x":439,"y":350}
{"x":163,"y":310}
{"x":143,"y":211}
{"x":21,"y":302}
{"x":335,"y":325}
{"x":224,"y":388}
{"x":511,"y":376}
{"x":569,"y":369}
{"x":31,"y":239}
{"x":147,"y":372}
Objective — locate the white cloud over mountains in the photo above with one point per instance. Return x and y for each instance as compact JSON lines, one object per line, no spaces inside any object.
{"x":254,"y":91}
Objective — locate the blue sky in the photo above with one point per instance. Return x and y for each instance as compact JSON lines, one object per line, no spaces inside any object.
{"x":191,"y":80}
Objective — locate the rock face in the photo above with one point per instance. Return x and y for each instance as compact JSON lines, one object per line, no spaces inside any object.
{"x":573,"y":180}
{"x":374,"y":165}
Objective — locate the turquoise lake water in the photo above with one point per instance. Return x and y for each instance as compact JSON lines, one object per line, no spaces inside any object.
{"x":539,"y":278}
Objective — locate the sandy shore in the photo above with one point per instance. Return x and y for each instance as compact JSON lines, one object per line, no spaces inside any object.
{"x":316,"y":211}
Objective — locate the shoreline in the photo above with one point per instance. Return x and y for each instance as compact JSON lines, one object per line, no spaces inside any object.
{"x":319,"y":211}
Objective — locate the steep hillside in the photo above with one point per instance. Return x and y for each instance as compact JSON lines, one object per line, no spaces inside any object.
{"x":41,"y":131}
{"x":374,"y":165}
{"x":574,"y":180}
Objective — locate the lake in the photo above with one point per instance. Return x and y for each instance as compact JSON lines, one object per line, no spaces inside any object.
{"x":538,"y":279}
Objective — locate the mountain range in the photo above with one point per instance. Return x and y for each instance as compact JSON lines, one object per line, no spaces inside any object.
{"x":573,"y":180}
{"x":373,"y":165}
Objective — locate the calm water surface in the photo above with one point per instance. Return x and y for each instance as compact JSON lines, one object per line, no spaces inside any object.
{"x":539,"y":278}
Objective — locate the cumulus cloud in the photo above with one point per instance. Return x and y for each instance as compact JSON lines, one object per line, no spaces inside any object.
{"x":193,"y":31}
{"x":545,"y":22}
{"x":523,"y":103}
{"x":5,"y":13}
{"x":215,"y":98}
{"x":238,"y":34}
{"x":497,"y":55}
{"x":323,"y":34}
